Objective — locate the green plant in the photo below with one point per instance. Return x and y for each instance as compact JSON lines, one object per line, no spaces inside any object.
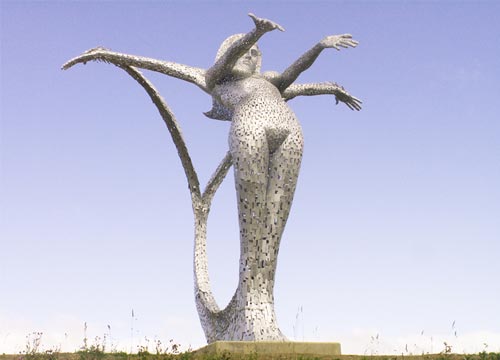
{"x":447,"y":348}
{"x":468,"y":357}
{"x":171,"y":348}
{"x":120,"y":355}
{"x":32,"y":346}
{"x":187,"y":355}
{"x":96,"y":351}
{"x":33,"y":349}
{"x":92,"y":353}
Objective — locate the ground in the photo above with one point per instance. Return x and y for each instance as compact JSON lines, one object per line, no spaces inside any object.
{"x":96,"y":355}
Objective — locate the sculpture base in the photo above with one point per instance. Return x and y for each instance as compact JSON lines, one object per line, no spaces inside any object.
{"x":271,"y":348}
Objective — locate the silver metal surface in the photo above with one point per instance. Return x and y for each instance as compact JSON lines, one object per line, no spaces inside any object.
{"x":265,"y":149}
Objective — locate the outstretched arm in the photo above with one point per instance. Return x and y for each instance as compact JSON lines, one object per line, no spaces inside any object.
{"x":222,"y":68}
{"x":326,"y":88}
{"x":305,"y":61}
{"x":184,"y":72}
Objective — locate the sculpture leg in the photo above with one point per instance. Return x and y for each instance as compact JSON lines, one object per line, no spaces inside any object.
{"x":250,"y":315}
{"x":284,"y":166}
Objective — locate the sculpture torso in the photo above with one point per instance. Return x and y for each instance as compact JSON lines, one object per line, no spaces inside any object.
{"x":258,"y":105}
{"x":234,"y":92}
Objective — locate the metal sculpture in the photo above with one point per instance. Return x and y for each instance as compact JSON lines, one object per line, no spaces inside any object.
{"x":265,"y":148}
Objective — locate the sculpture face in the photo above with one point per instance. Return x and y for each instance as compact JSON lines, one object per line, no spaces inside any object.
{"x":247,"y":64}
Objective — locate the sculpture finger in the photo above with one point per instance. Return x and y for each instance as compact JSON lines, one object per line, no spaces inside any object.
{"x":357,"y":102}
{"x":356,"y":106}
{"x":349,"y":106}
{"x":67,"y":65}
{"x":254,"y":18}
{"x":74,"y":61}
{"x":260,"y":21}
{"x":351,"y":43}
{"x":89,"y":55}
{"x":275,"y":25}
{"x":279,"y":27}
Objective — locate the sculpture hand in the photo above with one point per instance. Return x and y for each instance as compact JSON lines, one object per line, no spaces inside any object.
{"x":265,"y":25}
{"x":351,"y":102}
{"x":334,"y":41}
{"x":92,"y":54}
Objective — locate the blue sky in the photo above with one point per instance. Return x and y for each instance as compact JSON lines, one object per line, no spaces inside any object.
{"x":395,"y":226}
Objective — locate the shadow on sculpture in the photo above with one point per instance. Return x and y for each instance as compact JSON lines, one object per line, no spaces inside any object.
{"x":265,"y":149}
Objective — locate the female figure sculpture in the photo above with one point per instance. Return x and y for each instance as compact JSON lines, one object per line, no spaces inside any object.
{"x":265,"y":146}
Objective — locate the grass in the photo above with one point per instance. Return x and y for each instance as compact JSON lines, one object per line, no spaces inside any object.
{"x":101,"y":350}
{"x":170,"y":351}
{"x":98,"y":355}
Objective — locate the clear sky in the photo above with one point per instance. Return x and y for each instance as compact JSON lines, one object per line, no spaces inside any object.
{"x":393,"y":241}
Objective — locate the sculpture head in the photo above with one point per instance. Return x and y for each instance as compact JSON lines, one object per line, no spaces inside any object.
{"x":248,"y":64}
